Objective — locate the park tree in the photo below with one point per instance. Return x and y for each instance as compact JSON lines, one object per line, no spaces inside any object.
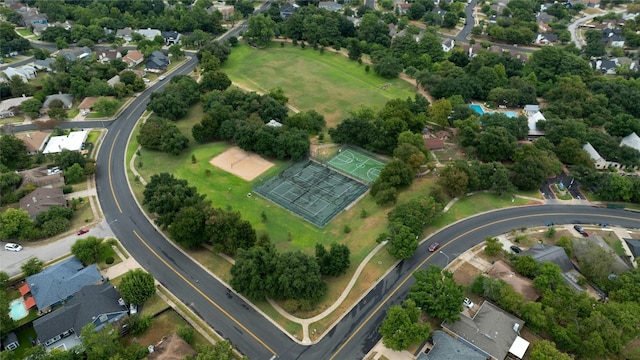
{"x":32,"y":266}
{"x":159,"y":134}
{"x":297,"y":277}
{"x":401,"y":327}
{"x":252,"y":269}
{"x":214,"y":80}
{"x":387,"y":66}
{"x":453,"y":181}
{"x":169,"y":105}
{"x":396,"y":174}
{"x":437,"y":294}
{"x":411,"y":155}
{"x":188,"y":225}
{"x":228,"y":232}
{"x":439,"y":111}
{"x":14,"y":224}
{"x":354,"y":48}
{"x":403,"y":243}
{"x":570,"y":152}
{"x":88,"y":250}
{"x":165,"y":196}
{"x":334,"y":262}
{"x":309,"y":121}
{"x":31,"y":107}
{"x":13,"y":152}
{"x":137,"y":286}
{"x":416,"y":213}
{"x":496,"y":144}
{"x":260,"y":30}
{"x":106,"y":106}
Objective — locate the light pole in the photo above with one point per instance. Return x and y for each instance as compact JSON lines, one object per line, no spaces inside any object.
{"x":442,"y":252}
{"x":111,"y":222}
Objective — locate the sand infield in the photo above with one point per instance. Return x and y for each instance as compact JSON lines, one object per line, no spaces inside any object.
{"x":238,"y":162}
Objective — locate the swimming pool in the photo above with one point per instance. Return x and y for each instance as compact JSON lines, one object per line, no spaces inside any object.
{"x":17,"y":309}
{"x":478,"y":109}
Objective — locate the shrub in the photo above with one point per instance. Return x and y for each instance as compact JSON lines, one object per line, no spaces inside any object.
{"x":139,"y":324}
{"x":67,"y":189}
{"x":186,"y":333}
{"x":551,"y":232}
{"x":346,"y":229}
{"x":493,"y":246}
{"x":109,"y":260}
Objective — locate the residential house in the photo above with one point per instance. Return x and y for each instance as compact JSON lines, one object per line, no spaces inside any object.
{"x":496,"y":49}
{"x":227,"y":11}
{"x":57,"y":283}
{"x":92,"y":304}
{"x":76,"y":53}
{"x":30,"y":16}
{"x":125,"y":34}
{"x":157,"y":62}
{"x":67,"y":100}
{"x":545,"y":17}
{"x":24,"y":74}
{"x":531,"y":109}
{"x":133,"y":58}
{"x":519,"y":56}
{"x":87,"y":103}
{"x":634,"y":248}
{"x":446,"y":347}
{"x":171,"y":37}
{"x":274,"y":123}
{"x":434,"y":144}
{"x":543,"y":27}
{"x":149,"y":33}
{"x":42,"y":199}
{"x":34,"y":141}
{"x":44,"y":64}
{"x":606,"y":67}
{"x":613,"y":37}
{"x":632,"y":140}
{"x":73,"y":142}
{"x":330,"y":5}
{"x":581,"y":246}
{"x":114,"y":80}
{"x":447,"y":44}
{"x":471,"y":50}
{"x":532,"y":121}
{"x":105,"y":56}
{"x":491,"y":331}
{"x":545,"y":39}
{"x":626,"y":62}
{"x":555,"y":254}
{"x":38,"y":29}
{"x":287,"y":10}
{"x":11,"y":106}
{"x":599,"y":161}
{"x":40,"y":177}
{"x":10,"y":342}
{"x":65,"y":25}
{"x":403,"y":8}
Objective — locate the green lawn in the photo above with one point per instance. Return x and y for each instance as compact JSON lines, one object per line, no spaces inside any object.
{"x":328,"y":83}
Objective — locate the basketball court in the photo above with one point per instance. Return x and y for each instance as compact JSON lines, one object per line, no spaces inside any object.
{"x":357,"y":165}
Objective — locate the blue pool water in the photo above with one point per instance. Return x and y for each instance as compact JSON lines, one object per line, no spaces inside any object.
{"x":478,"y":109}
{"x":17,"y":310}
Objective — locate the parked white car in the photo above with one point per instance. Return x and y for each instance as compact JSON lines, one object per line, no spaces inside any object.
{"x":467,"y":303}
{"x":13,"y":247}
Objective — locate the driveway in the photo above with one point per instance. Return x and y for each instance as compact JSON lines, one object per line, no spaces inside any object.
{"x":46,"y":250}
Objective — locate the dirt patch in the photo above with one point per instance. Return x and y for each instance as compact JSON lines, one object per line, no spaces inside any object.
{"x":172,"y":348}
{"x":465,"y":274}
{"x":240,"y":163}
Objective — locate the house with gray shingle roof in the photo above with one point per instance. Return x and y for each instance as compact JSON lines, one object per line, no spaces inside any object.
{"x":446,"y":347}
{"x":42,"y":199}
{"x":58,"y":283}
{"x":92,"y":304}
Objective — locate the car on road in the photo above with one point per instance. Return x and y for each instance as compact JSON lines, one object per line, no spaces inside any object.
{"x":467,"y":303}
{"x":515,"y":249}
{"x":83,"y":231}
{"x":162,"y":77}
{"x":13,"y":247}
{"x":434,"y":246}
{"x":579,"y":229}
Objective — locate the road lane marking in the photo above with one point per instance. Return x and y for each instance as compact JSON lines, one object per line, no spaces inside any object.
{"x":109,"y":172}
{"x":434,"y":253}
{"x":204,"y":295}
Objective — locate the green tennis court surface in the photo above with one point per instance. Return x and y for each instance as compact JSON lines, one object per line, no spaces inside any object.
{"x":357,"y":164}
{"x":316,"y":193}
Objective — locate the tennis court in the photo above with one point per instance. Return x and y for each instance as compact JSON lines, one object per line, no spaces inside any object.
{"x":357,"y":164}
{"x":312,"y":191}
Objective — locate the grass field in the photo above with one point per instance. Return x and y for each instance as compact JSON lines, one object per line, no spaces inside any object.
{"x":329,"y":83}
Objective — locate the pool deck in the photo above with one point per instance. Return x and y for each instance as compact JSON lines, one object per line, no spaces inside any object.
{"x":485,"y":110}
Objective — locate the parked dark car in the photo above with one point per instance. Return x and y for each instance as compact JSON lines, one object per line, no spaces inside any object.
{"x":515,"y":249}
{"x":579,"y":229}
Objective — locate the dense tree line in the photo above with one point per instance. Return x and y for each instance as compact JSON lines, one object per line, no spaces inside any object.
{"x":16,"y":223}
{"x":159,"y":134}
{"x":10,"y":40}
{"x":241,"y":117}
{"x":609,"y":186}
{"x":190,"y":219}
{"x":174,"y":101}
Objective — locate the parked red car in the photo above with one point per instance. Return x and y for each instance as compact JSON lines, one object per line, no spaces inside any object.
{"x":83,"y":231}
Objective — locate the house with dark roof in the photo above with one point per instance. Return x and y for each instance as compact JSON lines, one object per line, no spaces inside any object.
{"x":287,"y":10}
{"x":10,"y":342}
{"x":545,"y":38}
{"x":42,"y":199}
{"x":124,"y":34}
{"x":491,"y":332}
{"x":556,"y":255}
{"x":76,"y":53}
{"x":446,"y":347}
{"x":634,"y":248}
{"x":58,"y":283}
{"x":613,"y":37}
{"x":157,"y":61}
{"x":606,"y":67}
{"x":92,"y":304}
{"x":44,"y":64}
{"x":171,"y":37}
{"x":40,"y":177}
